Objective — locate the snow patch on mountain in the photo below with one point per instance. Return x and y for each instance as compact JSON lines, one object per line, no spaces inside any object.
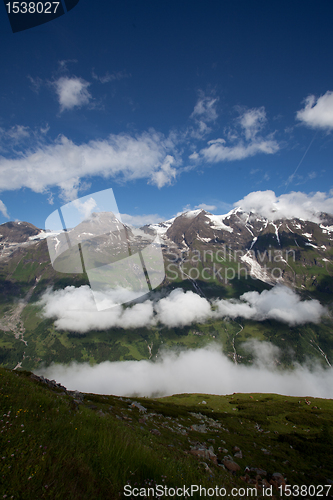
{"x":192,"y":213}
{"x":326,"y":229}
{"x":216,"y":222}
{"x":162,"y":227}
{"x":44,"y":234}
{"x":256,"y":270}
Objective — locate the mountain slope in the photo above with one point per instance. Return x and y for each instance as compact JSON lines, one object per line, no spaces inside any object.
{"x":293,"y":252}
{"x":61,"y":444}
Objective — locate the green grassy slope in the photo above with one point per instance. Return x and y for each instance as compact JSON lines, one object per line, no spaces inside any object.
{"x":61,"y":445}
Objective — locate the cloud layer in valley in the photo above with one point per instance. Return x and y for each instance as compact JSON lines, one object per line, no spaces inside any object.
{"x":74,"y":309}
{"x":206,"y":371}
{"x":279,"y":303}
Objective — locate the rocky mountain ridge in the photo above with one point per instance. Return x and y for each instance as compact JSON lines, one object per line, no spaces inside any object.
{"x":280,"y":250}
{"x":239,"y":229}
{"x":288,"y":246}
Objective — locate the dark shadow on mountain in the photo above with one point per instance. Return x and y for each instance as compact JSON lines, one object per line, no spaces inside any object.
{"x":9,"y":291}
{"x":324,"y":289}
{"x":247,"y":284}
{"x":269,"y":240}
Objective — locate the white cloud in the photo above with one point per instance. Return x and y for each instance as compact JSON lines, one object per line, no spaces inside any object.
{"x":205,"y":108}
{"x":166,"y":174}
{"x":295,"y":204}
{"x":17,"y":135}
{"x":75,"y":309}
{"x":3,"y":209}
{"x":85,"y":208}
{"x":191,"y":372}
{"x":44,"y":130}
{"x":217,"y":151}
{"x":208,"y":208}
{"x":204,"y":112}
{"x":245,"y":143}
{"x":18,"y":132}
{"x":252,"y":121}
{"x":279,"y":303}
{"x":141,"y":220}
{"x":72,"y":92}
{"x":64,"y":163}
{"x":180,"y":309}
{"x":318,"y":113}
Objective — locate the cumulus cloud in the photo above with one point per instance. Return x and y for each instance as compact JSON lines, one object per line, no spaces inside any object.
{"x":295,"y":204}
{"x":191,"y":372}
{"x":279,"y":303}
{"x":317,"y":113}
{"x":244,"y":143}
{"x":74,"y":308}
{"x":180,"y":309}
{"x":72,"y":92}
{"x":3,"y":209}
{"x":65,"y":163}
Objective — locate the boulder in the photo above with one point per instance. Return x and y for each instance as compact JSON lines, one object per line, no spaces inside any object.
{"x":156,"y":432}
{"x":230,"y":464}
{"x":278,"y":479}
{"x":199,"y":428}
{"x":202,"y":451}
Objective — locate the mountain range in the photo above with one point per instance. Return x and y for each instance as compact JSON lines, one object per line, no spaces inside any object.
{"x":293,"y":245}
{"x":214,"y":256}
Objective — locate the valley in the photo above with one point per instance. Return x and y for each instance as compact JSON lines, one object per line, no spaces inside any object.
{"x":215,"y":257}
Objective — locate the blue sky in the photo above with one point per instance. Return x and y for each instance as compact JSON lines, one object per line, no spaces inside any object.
{"x":174,"y":105}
